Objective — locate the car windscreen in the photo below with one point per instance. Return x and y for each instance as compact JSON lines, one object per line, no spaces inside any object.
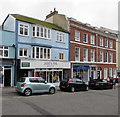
{"x":21,"y":79}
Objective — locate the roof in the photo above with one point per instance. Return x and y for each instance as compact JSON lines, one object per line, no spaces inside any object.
{"x":36,"y":21}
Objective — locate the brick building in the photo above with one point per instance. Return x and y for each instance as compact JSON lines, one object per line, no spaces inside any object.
{"x":92,"y":51}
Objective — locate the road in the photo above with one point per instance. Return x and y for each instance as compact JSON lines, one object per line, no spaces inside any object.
{"x":92,"y":102}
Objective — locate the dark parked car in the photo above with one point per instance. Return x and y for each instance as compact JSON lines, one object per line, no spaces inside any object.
{"x":100,"y":84}
{"x":73,"y":85}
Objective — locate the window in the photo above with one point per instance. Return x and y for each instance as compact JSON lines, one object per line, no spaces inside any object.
{"x":106,"y":56}
{"x":111,"y":44}
{"x":61,"y":56}
{"x":85,"y":54}
{"x":110,"y":72}
{"x":23,"y":29}
{"x":3,"y":51}
{"x":92,"y":55}
{"x":105,"y":73}
{"x":101,"y":41}
{"x":41,"y":53}
{"x":111,"y":57}
{"x":22,"y":52}
{"x":85,"y":38}
{"x":77,"y":54}
{"x":77,"y":36}
{"x":92,"y":39}
{"x":60,"y":37}
{"x":41,"y":32}
{"x":101,"y":56}
{"x":106,"y":42}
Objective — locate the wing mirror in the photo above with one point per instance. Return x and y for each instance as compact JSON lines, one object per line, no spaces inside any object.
{"x":45,"y":82}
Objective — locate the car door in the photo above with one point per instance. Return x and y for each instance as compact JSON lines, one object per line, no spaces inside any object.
{"x":43,"y":87}
{"x":34,"y":84}
{"x":80,"y":84}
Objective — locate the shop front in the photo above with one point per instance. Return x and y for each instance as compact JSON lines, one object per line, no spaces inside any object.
{"x":51,"y":71}
{"x":81,"y":72}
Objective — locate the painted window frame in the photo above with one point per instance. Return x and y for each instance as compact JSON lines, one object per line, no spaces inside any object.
{"x":106,"y":42}
{"x":92,"y":55}
{"x":111,"y":44}
{"x":85,"y":54}
{"x":106,"y":57}
{"x":2,"y":50}
{"x":24,"y":27}
{"x":77,"y":35}
{"x":111,"y":57}
{"x":60,"y":37}
{"x":43,"y":53}
{"x":41,"y":32}
{"x":101,"y":56}
{"x":92,"y":39}
{"x":110,"y":72}
{"x":101,"y":41}
{"x":77,"y":53}
{"x":23,"y":52}
{"x":85,"y":38}
{"x":61,"y":56}
{"x":105,"y":73}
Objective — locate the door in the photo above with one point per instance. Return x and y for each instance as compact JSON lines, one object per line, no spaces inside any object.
{"x":7,"y":77}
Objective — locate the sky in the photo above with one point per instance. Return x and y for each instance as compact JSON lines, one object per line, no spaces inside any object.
{"x":99,"y":13}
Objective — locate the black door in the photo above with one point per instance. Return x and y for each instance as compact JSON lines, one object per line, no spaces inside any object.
{"x":7,"y":77}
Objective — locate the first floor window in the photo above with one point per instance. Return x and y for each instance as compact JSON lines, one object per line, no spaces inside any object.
{"x":101,"y":56}
{"x":92,"y":55}
{"x":106,"y":56}
{"x":92,"y":39}
{"x":41,"y":53}
{"x":77,"y":54}
{"x":24,"y":29}
{"x":85,"y":54}
{"x":22,"y":52}
{"x":3,"y":51}
{"x":61,"y":56}
{"x":111,"y":57}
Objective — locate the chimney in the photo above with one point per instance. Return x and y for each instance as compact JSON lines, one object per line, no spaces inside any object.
{"x":52,"y":13}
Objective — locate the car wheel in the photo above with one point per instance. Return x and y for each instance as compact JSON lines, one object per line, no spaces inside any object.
{"x":52,"y":90}
{"x":27,"y":92}
{"x":73,"y":89}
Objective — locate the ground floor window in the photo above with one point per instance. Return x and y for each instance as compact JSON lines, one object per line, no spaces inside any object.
{"x":105,"y":73}
{"x":50,"y":75}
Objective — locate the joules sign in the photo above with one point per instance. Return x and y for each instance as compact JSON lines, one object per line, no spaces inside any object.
{"x":33,"y":64}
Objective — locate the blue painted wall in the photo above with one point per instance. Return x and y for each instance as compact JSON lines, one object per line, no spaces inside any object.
{"x":56,"y":47}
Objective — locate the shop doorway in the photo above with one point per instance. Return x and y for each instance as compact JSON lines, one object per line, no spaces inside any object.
{"x":7,"y":77}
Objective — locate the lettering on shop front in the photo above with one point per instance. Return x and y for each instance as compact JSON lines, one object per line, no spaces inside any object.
{"x":50,"y":64}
